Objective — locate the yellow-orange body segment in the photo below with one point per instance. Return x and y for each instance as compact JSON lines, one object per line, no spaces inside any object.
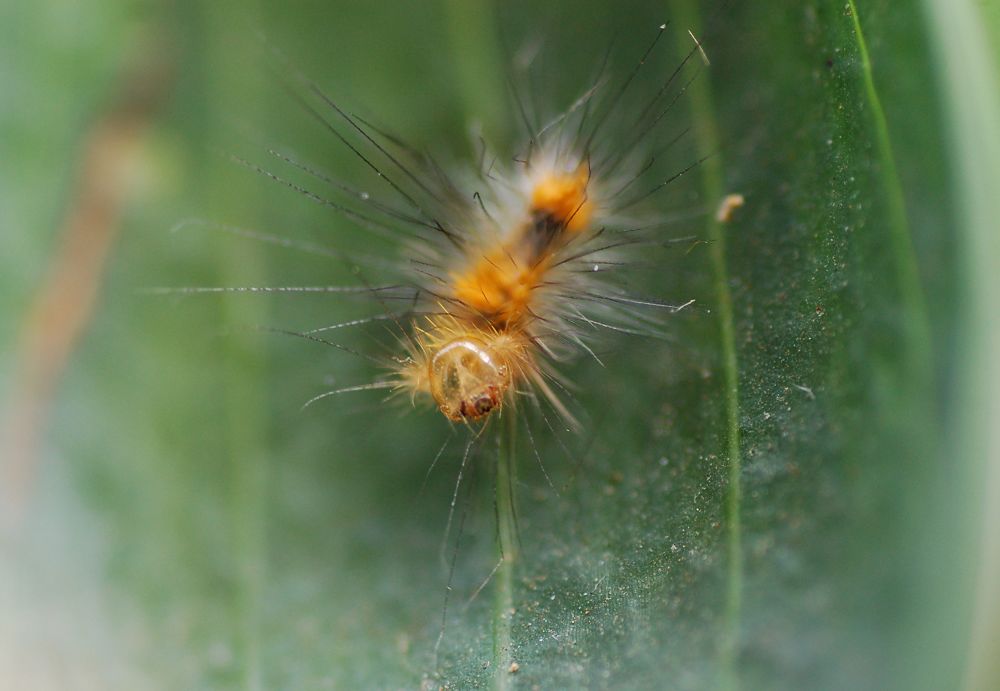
{"x":499,"y":285}
{"x":563,"y":198}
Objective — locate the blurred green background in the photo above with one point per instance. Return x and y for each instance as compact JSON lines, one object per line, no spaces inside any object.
{"x":172,"y":519}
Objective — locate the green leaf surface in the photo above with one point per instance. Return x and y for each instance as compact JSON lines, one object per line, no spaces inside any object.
{"x":788,"y":494}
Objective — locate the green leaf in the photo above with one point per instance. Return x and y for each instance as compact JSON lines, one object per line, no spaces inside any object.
{"x":792,"y":493}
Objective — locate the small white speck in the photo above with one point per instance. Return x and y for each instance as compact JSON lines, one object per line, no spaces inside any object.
{"x":806,"y":390}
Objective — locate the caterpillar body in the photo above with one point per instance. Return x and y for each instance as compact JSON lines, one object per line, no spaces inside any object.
{"x":498,"y":314}
{"x":512,"y":266}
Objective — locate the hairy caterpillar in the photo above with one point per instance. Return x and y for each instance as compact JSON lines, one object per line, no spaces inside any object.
{"x":510,"y":266}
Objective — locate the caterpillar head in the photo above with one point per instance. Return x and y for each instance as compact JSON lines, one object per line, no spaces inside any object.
{"x":468,"y":378}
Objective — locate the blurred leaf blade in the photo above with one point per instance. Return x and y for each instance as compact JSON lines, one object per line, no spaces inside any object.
{"x":966,"y":46}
